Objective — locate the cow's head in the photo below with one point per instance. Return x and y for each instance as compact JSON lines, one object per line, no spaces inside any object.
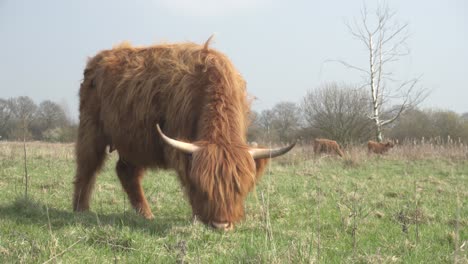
{"x":220,"y":177}
{"x":388,"y":145}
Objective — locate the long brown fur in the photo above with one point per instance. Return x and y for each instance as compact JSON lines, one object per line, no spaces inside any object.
{"x":378,"y":148}
{"x":322,"y":145}
{"x":196,"y":95}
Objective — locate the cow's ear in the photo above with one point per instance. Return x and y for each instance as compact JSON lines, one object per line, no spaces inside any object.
{"x":260,"y":165}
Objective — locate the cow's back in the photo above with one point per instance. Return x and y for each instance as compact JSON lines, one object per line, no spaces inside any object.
{"x":129,"y":90}
{"x":322,"y":145}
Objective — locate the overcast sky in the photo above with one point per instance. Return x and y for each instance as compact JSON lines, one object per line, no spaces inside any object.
{"x":279,"y":46}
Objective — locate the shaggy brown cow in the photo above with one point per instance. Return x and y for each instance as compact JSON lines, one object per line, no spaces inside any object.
{"x":196,"y":95}
{"x":322,"y":145}
{"x":378,"y":148}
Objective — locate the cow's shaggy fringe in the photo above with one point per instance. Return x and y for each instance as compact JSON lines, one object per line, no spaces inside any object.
{"x":195,"y":94}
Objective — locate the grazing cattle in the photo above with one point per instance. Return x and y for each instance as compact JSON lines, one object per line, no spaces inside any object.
{"x":378,"y":148}
{"x":138,"y":100}
{"x":322,"y":145}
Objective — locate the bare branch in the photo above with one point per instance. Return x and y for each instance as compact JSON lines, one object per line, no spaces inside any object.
{"x":395,"y":33}
{"x":349,"y":65}
{"x":356,"y":32}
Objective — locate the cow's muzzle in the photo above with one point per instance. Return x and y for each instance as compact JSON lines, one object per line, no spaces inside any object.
{"x":226,"y":226}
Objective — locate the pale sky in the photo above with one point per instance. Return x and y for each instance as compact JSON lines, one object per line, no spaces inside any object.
{"x":278,"y":46}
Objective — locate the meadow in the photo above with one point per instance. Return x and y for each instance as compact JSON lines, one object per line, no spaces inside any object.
{"x":409,"y":206}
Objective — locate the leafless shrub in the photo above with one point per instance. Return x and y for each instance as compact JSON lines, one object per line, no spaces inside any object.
{"x":339,"y":112}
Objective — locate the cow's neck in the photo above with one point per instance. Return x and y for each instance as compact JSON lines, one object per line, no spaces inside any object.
{"x":223,"y":121}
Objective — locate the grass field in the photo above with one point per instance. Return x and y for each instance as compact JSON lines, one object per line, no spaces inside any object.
{"x":409,"y":206}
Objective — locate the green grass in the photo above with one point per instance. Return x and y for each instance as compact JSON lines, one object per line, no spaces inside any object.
{"x":364,"y":209}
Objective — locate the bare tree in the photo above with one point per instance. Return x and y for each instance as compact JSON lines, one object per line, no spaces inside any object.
{"x":255,"y":130}
{"x":448,"y":124}
{"x":338,"y":111}
{"x":66,"y":110}
{"x":385,"y":41}
{"x":430,"y":123}
{"x":286,"y":120}
{"x":413,"y":124}
{"x":265,"y":119}
{"x":265,"y":122}
{"x":5,"y":116}
{"x":49,"y":115}
{"x":464,"y":116}
{"x":23,"y":109}
{"x":281,"y":123}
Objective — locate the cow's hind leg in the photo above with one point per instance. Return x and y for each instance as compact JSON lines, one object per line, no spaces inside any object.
{"x":130,"y":176}
{"x":90,"y":154}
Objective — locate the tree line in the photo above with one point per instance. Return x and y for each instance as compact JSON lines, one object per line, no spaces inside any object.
{"x":335,"y":111}
{"x":22,"y":119}
{"x":343,"y":113}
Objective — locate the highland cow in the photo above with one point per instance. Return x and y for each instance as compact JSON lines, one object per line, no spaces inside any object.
{"x":322,"y":145}
{"x":378,"y":148}
{"x":137,"y":101}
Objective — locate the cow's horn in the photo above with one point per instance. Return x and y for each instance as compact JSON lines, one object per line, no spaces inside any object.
{"x":185,"y":147}
{"x":258,"y":153}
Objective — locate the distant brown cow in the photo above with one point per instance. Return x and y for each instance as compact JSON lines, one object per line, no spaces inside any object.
{"x":198,"y":98}
{"x":378,"y":148}
{"x":322,"y":145}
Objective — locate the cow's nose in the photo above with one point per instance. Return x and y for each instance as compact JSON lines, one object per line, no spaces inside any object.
{"x":226,"y":226}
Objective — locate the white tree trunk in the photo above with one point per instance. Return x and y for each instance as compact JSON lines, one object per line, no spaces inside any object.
{"x":375,"y":87}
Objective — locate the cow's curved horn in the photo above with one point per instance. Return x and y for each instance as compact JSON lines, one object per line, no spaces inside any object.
{"x":258,"y":153}
{"x":185,"y":147}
